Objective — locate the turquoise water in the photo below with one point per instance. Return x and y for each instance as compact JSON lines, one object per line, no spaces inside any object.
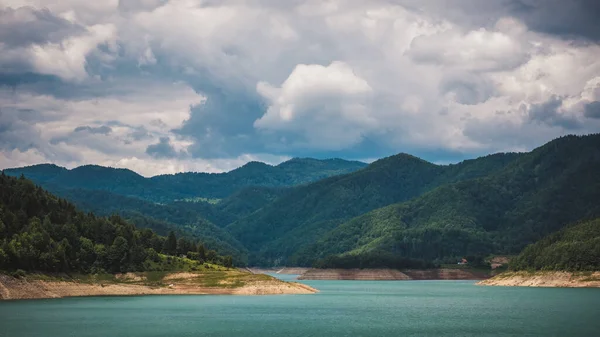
{"x":342,"y":308}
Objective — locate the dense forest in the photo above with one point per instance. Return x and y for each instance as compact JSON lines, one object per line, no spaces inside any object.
{"x":573,"y":248}
{"x":501,"y":213}
{"x":397,"y":210}
{"x":379,"y":259}
{"x":185,"y":186}
{"x":185,"y":218}
{"x":40,"y":232}
{"x":307,"y":213}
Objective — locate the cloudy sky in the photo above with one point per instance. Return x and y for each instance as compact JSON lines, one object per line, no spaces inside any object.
{"x":163,"y":86}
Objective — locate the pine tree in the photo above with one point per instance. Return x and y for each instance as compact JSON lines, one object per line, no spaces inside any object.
{"x":170,"y":246}
{"x":202,"y":251}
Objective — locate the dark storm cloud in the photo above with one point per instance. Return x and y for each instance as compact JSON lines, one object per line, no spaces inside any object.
{"x":565,"y":18}
{"x":25,"y":26}
{"x":20,"y":80}
{"x":592,"y":110}
{"x":102,"y":130}
{"x":162,"y":149}
{"x":549,"y":114}
{"x":570,"y":18}
{"x":224,"y":124}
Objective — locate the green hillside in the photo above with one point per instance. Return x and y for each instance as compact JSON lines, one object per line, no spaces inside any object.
{"x":305,"y":214}
{"x":533,"y":196}
{"x":573,"y":248}
{"x":400,"y":210}
{"x":40,"y":232}
{"x":183,"y":186}
{"x":186,"y":219}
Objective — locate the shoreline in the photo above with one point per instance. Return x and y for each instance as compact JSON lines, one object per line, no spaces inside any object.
{"x":544,"y":279}
{"x":382,"y":274}
{"x":132,"y":285}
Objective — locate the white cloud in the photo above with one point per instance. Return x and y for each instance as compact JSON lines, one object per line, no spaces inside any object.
{"x":67,"y":59}
{"x":327,"y":106}
{"x":47,"y":123}
{"x":410,"y":75}
{"x":475,"y":50}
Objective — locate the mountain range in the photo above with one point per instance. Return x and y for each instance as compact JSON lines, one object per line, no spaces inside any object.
{"x":306,"y":210}
{"x":190,"y":185}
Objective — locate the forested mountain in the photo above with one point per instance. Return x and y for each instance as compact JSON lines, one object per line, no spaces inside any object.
{"x":535,"y":195}
{"x":573,"y":248}
{"x":182,"y":218}
{"x":399,"y":210}
{"x":199,"y":220}
{"x":196,"y":219}
{"x":304,"y":214}
{"x":168,"y":188}
{"x":40,"y":232}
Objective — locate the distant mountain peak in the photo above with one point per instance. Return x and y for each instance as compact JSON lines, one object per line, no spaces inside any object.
{"x":398,"y":159}
{"x":40,"y":166}
{"x":314,"y":161}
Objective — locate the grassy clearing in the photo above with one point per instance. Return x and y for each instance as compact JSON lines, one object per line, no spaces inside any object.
{"x":225,"y":279}
{"x":212,"y":201}
{"x":202,"y":274}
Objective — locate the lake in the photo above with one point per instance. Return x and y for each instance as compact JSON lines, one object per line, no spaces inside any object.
{"x":342,"y":308}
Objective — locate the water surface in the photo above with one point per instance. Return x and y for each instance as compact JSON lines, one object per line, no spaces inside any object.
{"x":342,"y":308}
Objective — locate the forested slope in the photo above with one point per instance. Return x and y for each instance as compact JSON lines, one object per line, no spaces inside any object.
{"x":182,"y":186}
{"x":186,"y":219}
{"x":399,"y":209}
{"x":40,"y":232}
{"x":535,"y":195}
{"x":573,"y":248}
{"x":302,"y":215}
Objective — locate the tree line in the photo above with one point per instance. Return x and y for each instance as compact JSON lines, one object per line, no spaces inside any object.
{"x":574,"y":248}
{"x":40,"y":232}
{"x":379,"y":259}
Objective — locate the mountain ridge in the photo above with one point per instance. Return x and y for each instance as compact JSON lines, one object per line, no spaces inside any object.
{"x":400,"y":205}
{"x":538,"y":194}
{"x":324,"y":204}
{"x":168,"y":188}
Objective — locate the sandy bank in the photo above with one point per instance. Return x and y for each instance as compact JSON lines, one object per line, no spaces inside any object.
{"x":178,"y":284}
{"x":283,"y":271}
{"x":292,"y":270}
{"x":545,"y":279}
{"x":391,"y":274}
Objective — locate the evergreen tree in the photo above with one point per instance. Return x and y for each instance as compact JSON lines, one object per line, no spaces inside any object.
{"x":67,"y":240}
{"x":170,"y":245}
{"x":201,"y":251}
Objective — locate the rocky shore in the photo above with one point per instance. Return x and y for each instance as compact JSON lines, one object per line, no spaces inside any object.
{"x":545,"y":279}
{"x":133,"y":284}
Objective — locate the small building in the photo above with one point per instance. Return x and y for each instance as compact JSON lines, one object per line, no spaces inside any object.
{"x":463,"y":261}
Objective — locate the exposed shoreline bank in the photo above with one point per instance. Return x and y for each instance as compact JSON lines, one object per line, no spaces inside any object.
{"x":282,"y":270}
{"x":558,"y":279}
{"x":393,"y":274}
{"x":176,"y":284}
